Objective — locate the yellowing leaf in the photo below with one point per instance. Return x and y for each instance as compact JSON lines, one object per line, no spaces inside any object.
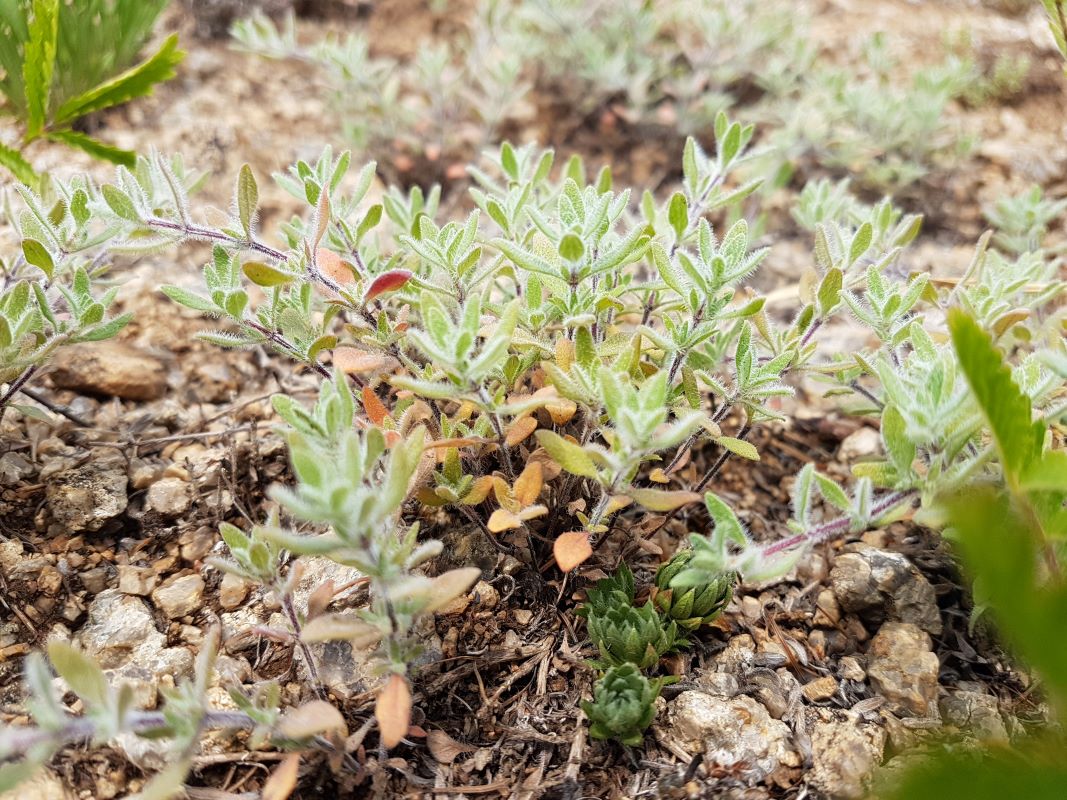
{"x":567,"y":454}
{"x":657,"y":500}
{"x":311,"y":719}
{"x":282,"y":781}
{"x":738,"y":447}
{"x":479,"y":491}
{"x":658,"y":476}
{"x":264,"y":275}
{"x":617,"y":503}
{"x":393,"y":710}
{"x":571,"y":549}
{"x":528,"y":484}
{"x":533,"y":512}
{"x":561,"y":410}
{"x":457,"y":441}
{"x":564,"y":353}
{"x":503,"y":520}
{"x":519,"y":430}
{"x":1006,"y":320}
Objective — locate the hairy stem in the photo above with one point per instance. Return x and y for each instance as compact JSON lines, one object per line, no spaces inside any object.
{"x":17,"y":741}
{"x":191,"y":231}
{"x":836,"y":527}
{"x":305,"y":651}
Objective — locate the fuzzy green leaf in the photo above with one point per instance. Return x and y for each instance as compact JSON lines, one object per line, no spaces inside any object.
{"x":567,"y":454}
{"x":186,"y":298}
{"x":119,"y":202}
{"x":247,"y":196}
{"x":38,"y":256}
{"x":80,"y":671}
{"x":739,"y":447}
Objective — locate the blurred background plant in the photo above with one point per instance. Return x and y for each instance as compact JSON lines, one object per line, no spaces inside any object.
{"x":667,"y":66}
{"x":61,"y":61}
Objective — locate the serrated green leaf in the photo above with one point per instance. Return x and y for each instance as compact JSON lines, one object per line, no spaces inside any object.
{"x":39,"y":63}
{"x":138,"y":81}
{"x":18,"y":166}
{"x":1007,"y":410}
{"x":571,"y":248}
{"x":727,"y":527}
{"x":860,"y":242}
{"x":833,"y":493}
{"x":94,"y":147}
{"x":830,"y":290}
{"x":901,"y":450}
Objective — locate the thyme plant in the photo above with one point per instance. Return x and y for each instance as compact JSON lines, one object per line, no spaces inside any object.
{"x":542,"y":366}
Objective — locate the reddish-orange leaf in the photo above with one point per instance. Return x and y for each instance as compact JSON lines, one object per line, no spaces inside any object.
{"x":387,"y":282}
{"x":520,"y":429}
{"x":282,"y":781}
{"x":393,"y":710}
{"x":528,"y":484}
{"x":571,"y":549}
{"x":376,"y":411}
{"x":333,"y":267}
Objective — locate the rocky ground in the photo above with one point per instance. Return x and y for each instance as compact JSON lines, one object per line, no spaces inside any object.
{"x":814,"y":685}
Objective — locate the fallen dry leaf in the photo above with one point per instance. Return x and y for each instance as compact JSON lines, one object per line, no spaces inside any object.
{"x":571,"y":549}
{"x":282,"y":781}
{"x":393,"y":710}
{"x":444,"y":748}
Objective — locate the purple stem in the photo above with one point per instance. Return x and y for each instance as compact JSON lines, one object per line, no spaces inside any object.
{"x":835,"y":527}
{"x":17,"y":740}
{"x":196,"y":232}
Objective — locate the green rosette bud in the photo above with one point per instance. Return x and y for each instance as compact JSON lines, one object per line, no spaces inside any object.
{"x":623,"y":705}
{"x":694,"y":606}
{"x":623,"y":633}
